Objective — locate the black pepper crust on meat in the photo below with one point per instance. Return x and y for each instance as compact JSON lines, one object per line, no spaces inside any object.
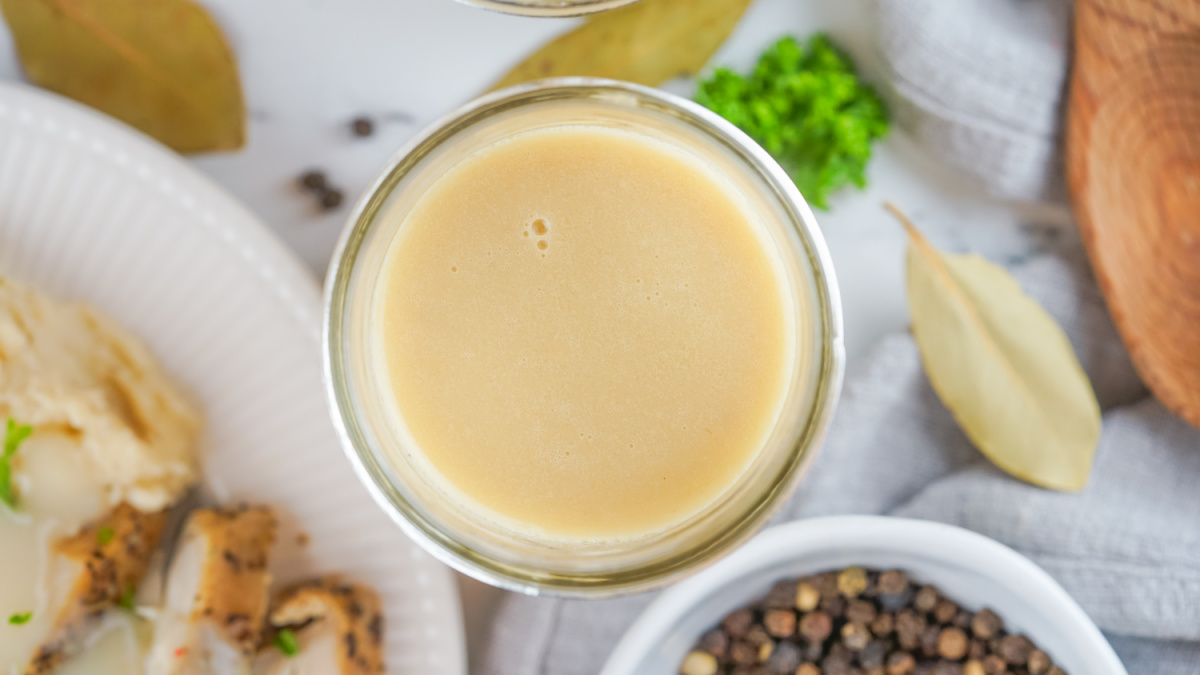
{"x":107,"y":572}
{"x":352,"y":610}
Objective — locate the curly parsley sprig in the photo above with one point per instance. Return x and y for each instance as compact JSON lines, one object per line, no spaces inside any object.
{"x":14,"y":435}
{"x":807,"y":107}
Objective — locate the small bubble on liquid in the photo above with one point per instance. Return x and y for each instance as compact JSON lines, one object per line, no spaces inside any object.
{"x":526,"y":233}
{"x":542,"y":245}
{"x":540,"y":227}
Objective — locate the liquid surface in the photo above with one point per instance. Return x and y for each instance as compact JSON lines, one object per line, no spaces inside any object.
{"x":584,"y":333}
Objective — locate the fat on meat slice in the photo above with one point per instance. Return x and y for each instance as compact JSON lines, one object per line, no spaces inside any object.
{"x":93,"y":571}
{"x":216,"y":598}
{"x":338,"y":626}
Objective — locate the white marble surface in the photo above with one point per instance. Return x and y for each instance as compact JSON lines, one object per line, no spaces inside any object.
{"x":310,"y":66}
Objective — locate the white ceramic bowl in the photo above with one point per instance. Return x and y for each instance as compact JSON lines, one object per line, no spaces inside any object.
{"x":969,"y":568}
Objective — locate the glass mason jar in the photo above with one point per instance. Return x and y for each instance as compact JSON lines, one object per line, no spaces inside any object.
{"x":549,"y":7}
{"x":391,"y":470}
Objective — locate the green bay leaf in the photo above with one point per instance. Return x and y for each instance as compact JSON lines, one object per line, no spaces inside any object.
{"x":648,"y":42}
{"x":162,"y":66}
{"x":1002,"y":366}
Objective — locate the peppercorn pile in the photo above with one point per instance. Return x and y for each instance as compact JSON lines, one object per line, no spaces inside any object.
{"x":862,"y":622}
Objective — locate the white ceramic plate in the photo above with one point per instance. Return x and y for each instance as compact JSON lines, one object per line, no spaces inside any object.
{"x":969,"y":568}
{"x":90,"y":209}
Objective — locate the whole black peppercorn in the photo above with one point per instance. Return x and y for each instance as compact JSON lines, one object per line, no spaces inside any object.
{"x":977,"y":650}
{"x":757,"y":636}
{"x":807,"y":597}
{"x":927,"y":598}
{"x":784,"y":660}
{"x":897,"y":601}
{"x":782,"y":595}
{"x":816,"y":627}
{"x":994,"y":665}
{"x":929,"y":641}
{"x":855,"y":636}
{"x":835,"y":664}
{"x":737,"y":623}
{"x":901,"y":663}
{"x":910,"y":626}
{"x":825,"y":583}
{"x":313,"y":179}
{"x":743,"y":653}
{"x":883,"y":625}
{"x":985,"y":624}
{"x":1015,"y":649}
{"x":1038,"y":662}
{"x":780,"y":623}
{"x":331,"y":199}
{"x":893,"y":582}
{"x":945,"y":611}
{"x":871,"y":657}
{"x":952,"y":643}
{"x":852,"y":581}
{"x":362,"y":126}
{"x":834,"y":606}
{"x":715,"y":642}
{"x":860,"y":611}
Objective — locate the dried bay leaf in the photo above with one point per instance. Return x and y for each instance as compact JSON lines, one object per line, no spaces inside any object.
{"x":648,"y":42}
{"x":162,"y":66}
{"x":1002,"y":366}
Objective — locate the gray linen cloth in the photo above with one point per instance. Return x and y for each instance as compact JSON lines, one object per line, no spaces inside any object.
{"x":979,"y":83}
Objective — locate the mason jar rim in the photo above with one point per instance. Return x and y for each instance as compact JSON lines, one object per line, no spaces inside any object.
{"x":487,"y":569}
{"x":562,"y":8}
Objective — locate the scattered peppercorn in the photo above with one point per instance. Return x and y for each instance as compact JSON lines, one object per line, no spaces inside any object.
{"x":855,"y":636}
{"x":862,"y":622}
{"x":316,"y":182}
{"x":313,"y":180}
{"x":852,"y":581}
{"x":785,"y":659}
{"x":1038,"y":662}
{"x":743,"y":653}
{"x":737,"y":623}
{"x":893,"y":582}
{"x":860,"y":611}
{"x":816,"y":626}
{"x":901,"y":663}
{"x":945,"y":611}
{"x":807,"y":597}
{"x":985,"y":624}
{"x":952,"y":643}
{"x":927,"y":599}
{"x":780,"y":623}
{"x":362,"y":126}
{"x":1015,"y":649}
{"x":715,"y":642}
{"x":699,"y":663}
{"x":331,"y":199}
